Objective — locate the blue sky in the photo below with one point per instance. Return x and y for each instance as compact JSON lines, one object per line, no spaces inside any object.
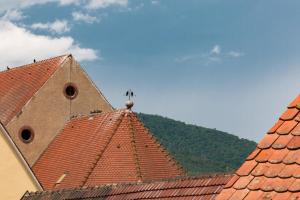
{"x":231,"y":65}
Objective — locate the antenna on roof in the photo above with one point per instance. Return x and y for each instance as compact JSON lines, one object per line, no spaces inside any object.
{"x":34,"y":60}
{"x":129,"y":103}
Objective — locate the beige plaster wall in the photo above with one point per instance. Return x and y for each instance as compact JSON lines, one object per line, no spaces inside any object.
{"x":15,"y":177}
{"x":49,"y":109}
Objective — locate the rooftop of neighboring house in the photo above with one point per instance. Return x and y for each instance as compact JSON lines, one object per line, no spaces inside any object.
{"x":105,"y":148}
{"x":272,"y":170}
{"x":204,"y":187}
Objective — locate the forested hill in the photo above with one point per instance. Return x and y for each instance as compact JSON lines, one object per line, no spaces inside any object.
{"x":199,"y":150}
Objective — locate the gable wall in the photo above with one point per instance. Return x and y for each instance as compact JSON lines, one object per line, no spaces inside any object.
{"x":49,"y":109}
{"x":15,"y":177}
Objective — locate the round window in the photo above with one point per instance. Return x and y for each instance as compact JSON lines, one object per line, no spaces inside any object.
{"x":26,"y":134}
{"x":70,"y":91}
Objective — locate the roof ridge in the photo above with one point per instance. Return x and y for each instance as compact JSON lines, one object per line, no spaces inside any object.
{"x":99,"y":156}
{"x":81,"y":116}
{"x":168,"y":155}
{"x":137,"y":162}
{"x":31,"y":64}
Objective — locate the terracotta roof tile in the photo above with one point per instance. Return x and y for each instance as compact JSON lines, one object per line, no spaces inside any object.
{"x":260,"y":169}
{"x":288,"y":171}
{"x":268,"y":196}
{"x":246,"y":168}
{"x":296,"y":130}
{"x":256,"y":183}
{"x":289,"y":114}
{"x":294,"y":143}
{"x":273,"y":170}
{"x":267,"y":141}
{"x":254,"y":195}
{"x":295,"y":196}
{"x":281,"y":185}
{"x":264,"y":155}
{"x":295,"y":186}
{"x":282,"y":141}
{"x":105,"y":148}
{"x":206,"y":187}
{"x":286,"y":127}
{"x":18,"y":85}
{"x":242,"y":182}
{"x":232,"y":181}
{"x":276,"y":126}
{"x":280,"y":196}
{"x":253,"y":154}
{"x":278,"y":155}
{"x":292,"y":157}
{"x":225,"y":194}
{"x":294,"y":103}
{"x":239,"y":194}
{"x":274,"y":166}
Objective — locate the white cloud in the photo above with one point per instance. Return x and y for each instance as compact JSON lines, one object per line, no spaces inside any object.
{"x":79,"y":16}
{"x":6,"y":5}
{"x":155,"y":2}
{"x":95,"y":4}
{"x":13,"y":15}
{"x":215,"y":55}
{"x":58,"y":26}
{"x":235,"y":54}
{"x":216,"y":50}
{"x":19,"y":46}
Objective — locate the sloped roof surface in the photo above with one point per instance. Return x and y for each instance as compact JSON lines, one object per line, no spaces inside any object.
{"x":203,"y":188}
{"x":105,"y":148}
{"x":18,"y":85}
{"x":272,"y":170}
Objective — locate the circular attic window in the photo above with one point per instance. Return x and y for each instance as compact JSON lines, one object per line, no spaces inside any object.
{"x":26,"y":134}
{"x":70,"y":91}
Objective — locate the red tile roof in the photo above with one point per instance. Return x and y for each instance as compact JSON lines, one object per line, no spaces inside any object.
{"x":205,"y":188}
{"x":105,"y":148}
{"x":272,"y":170}
{"x":18,"y":85}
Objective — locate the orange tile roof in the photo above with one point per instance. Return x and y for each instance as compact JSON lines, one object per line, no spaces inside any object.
{"x":18,"y":85}
{"x":205,"y":188}
{"x":105,"y":148}
{"x":272,"y":170}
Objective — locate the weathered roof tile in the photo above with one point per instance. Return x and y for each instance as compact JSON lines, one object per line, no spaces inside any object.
{"x":177,"y":188}
{"x":111,"y":147}
{"x":274,"y":166}
{"x":18,"y":85}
